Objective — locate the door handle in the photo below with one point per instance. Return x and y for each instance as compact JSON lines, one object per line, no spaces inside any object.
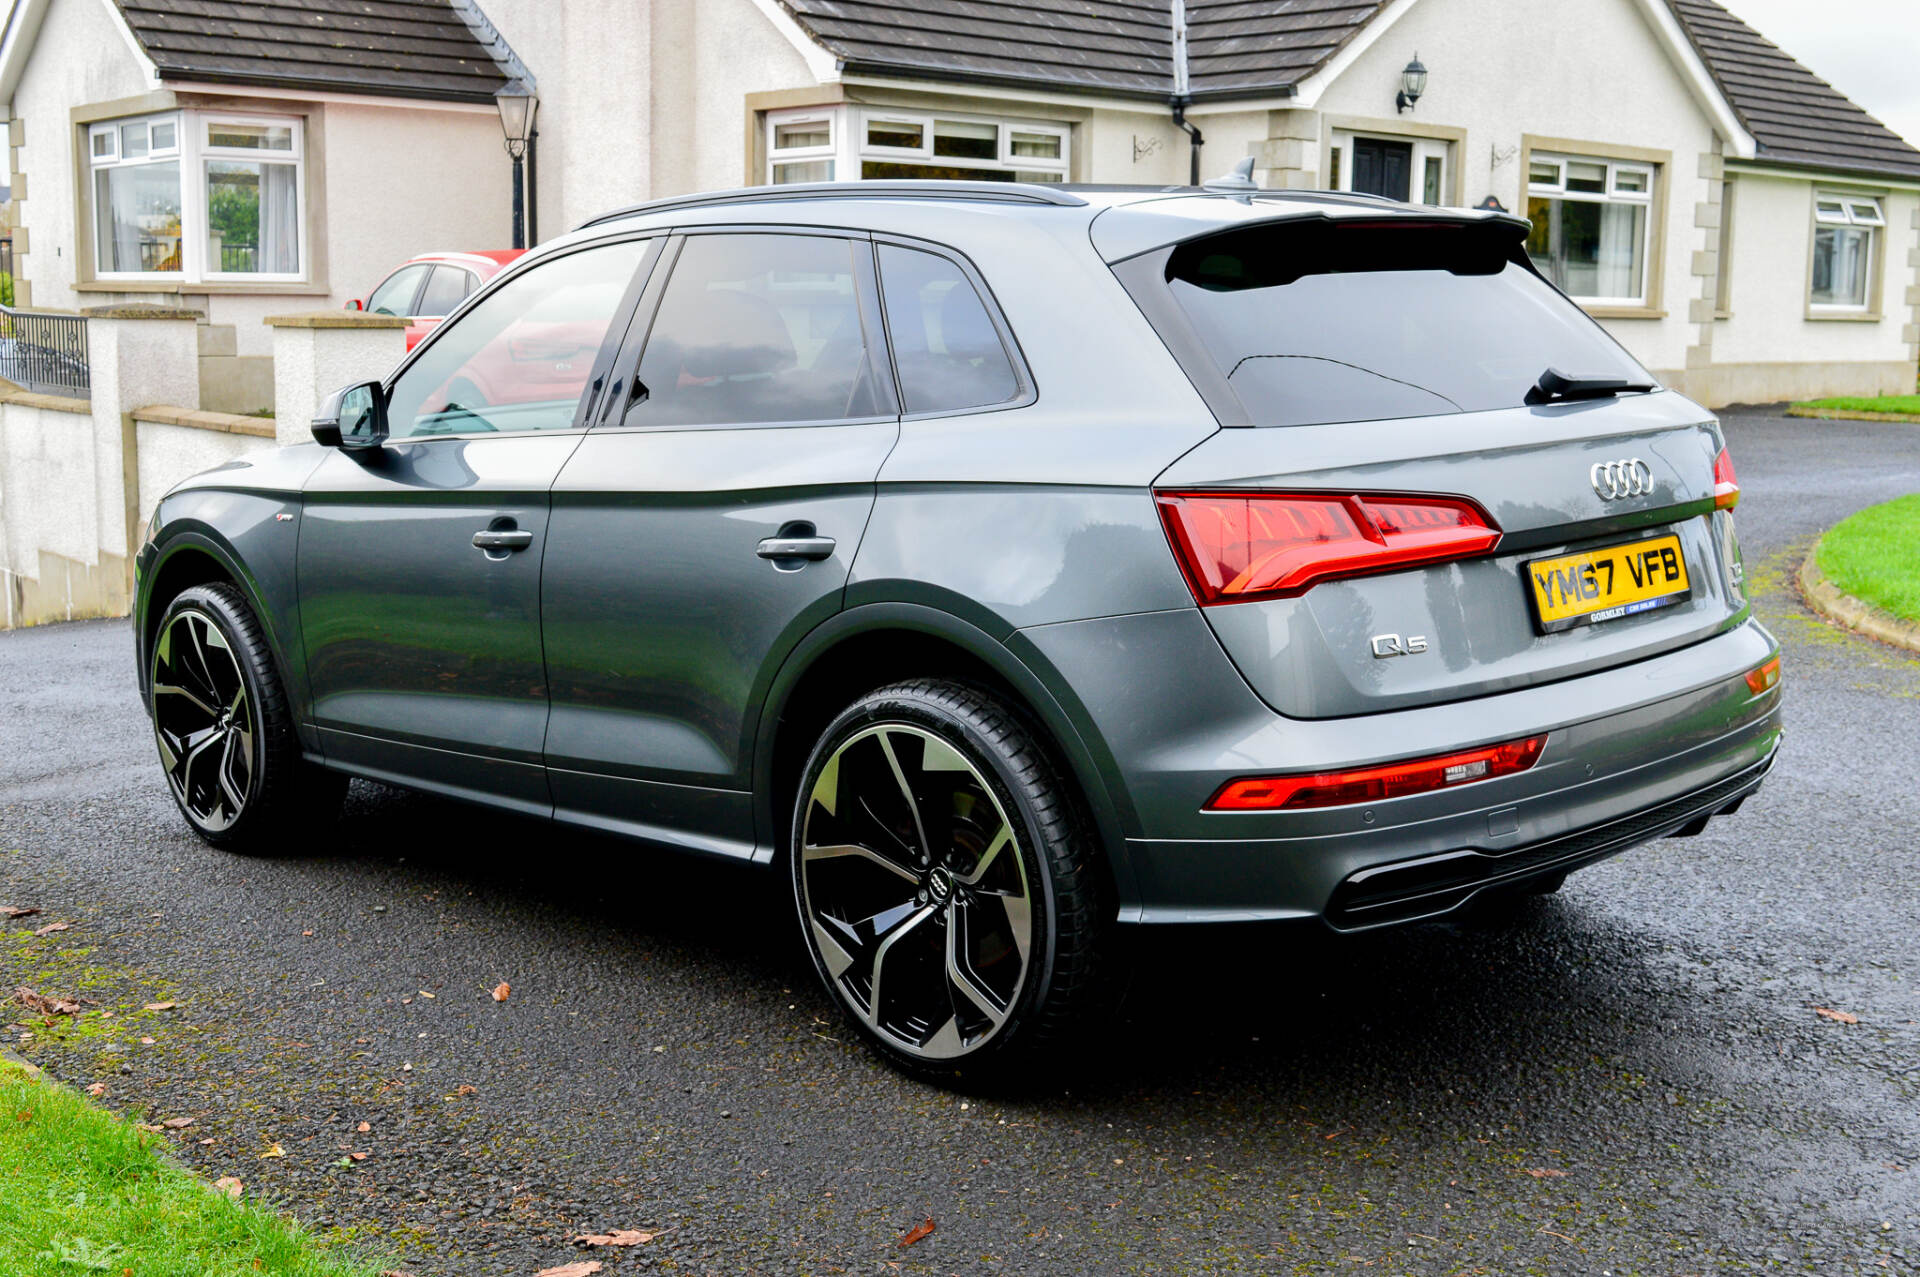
{"x":502,"y":539}
{"x":814,"y":547}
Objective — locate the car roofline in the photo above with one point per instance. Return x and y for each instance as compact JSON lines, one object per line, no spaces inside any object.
{"x":1030,"y":193}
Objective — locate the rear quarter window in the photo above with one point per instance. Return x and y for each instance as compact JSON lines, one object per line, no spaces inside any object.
{"x":1312,"y":322}
{"x":946,"y":350}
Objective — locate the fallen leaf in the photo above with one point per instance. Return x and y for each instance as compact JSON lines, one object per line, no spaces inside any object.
{"x":1541,"y":1172}
{"x":395,"y":1272}
{"x":52,"y":927}
{"x":148,"y":1126}
{"x":230,"y":1186}
{"x":464,"y":1089}
{"x":358,"y":1157}
{"x":584,"y":1268}
{"x":97,"y":1089}
{"x":364,"y":1127}
{"x":159,"y":1006}
{"x":207,"y":1141}
{"x":273,"y":1150}
{"x":13,"y":911}
{"x":41,"y":1002}
{"x":1838,"y":1017}
{"x":918,"y":1233}
{"x":618,"y":1237}
{"x":306,"y":933}
{"x":177,"y":1123}
{"x":146,"y":1041}
{"x":500,"y":991}
{"x":426,"y":995}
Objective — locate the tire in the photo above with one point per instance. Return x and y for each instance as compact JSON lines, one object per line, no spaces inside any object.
{"x":946,"y":882}
{"x":225,"y":732}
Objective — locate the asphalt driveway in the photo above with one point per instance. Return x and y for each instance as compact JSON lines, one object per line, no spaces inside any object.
{"x":1633,"y":1077}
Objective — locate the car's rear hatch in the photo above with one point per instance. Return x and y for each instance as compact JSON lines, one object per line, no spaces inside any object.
{"x":1386,"y":378}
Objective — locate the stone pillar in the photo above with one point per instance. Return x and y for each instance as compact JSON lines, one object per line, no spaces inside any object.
{"x":138,"y":356}
{"x":1289,"y":158}
{"x":316,"y":353}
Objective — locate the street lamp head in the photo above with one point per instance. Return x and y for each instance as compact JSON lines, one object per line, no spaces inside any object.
{"x":1413,"y":82}
{"x":517,"y":102}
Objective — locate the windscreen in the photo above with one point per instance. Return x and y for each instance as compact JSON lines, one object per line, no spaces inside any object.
{"x":1316,"y":321}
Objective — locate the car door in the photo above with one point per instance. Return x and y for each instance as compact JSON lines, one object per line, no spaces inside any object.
{"x":419,"y":560}
{"x":707,"y":522}
{"x":445,"y":289}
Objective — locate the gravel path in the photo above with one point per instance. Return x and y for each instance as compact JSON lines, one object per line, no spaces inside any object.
{"x":1630,"y":1078}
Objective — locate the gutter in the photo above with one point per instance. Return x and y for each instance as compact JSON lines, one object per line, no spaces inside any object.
{"x":1182,"y":97}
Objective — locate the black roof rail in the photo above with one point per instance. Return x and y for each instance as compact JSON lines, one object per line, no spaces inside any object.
{"x":926,"y":189}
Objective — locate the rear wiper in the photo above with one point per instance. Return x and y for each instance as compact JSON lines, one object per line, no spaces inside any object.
{"x":1555,"y":386}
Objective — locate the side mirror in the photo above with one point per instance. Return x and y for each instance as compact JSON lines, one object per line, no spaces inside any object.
{"x":355,"y":417}
{"x":353,"y":304}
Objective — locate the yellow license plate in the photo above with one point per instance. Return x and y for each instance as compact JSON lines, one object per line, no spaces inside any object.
{"x":1606,"y":584}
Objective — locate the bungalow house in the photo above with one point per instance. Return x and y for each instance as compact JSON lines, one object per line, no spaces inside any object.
{"x":1743,"y":228}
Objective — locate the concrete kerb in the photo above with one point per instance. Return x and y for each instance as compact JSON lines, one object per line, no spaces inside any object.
{"x":1838,"y":414}
{"x":1826,"y":598}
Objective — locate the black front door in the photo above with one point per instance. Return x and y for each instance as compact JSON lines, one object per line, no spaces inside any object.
{"x":1382,"y":168}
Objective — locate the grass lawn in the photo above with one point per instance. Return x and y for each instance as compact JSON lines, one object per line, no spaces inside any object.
{"x":1875,"y":556}
{"x":1897,"y":405}
{"x":83,"y":1191}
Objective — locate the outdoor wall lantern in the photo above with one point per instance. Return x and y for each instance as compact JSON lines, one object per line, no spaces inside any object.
{"x":517,"y":104}
{"x":1413,"y":82}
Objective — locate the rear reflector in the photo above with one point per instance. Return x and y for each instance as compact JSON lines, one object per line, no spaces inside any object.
{"x":1726,"y":488}
{"x":1376,"y":784}
{"x":1239,"y":546}
{"x":1766,"y":678}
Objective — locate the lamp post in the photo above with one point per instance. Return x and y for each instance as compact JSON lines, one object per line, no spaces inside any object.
{"x":517,"y":104}
{"x":1413,"y":82}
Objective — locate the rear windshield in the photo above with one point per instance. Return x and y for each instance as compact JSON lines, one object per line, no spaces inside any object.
{"x":1315,"y":322}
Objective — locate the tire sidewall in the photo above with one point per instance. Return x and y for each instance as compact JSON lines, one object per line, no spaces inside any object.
{"x":910,"y":707}
{"x":216,"y":607}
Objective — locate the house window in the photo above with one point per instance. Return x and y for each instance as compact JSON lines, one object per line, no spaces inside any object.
{"x":198,"y":196}
{"x":1591,"y":221}
{"x":1844,"y":227}
{"x":871,"y":143}
{"x":136,"y":196}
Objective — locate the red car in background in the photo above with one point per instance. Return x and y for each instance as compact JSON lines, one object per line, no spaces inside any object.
{"x":427,"y":288}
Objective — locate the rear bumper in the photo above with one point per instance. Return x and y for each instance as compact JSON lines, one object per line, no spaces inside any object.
{"x":1632,"y":753}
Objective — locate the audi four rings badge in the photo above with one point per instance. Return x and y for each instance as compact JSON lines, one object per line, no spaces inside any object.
{"x":1616,"y":479}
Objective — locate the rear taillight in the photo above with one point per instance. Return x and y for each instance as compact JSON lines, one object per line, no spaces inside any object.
{"x":1376,"y":784}
{"x":1235,"y":547}
{"x":1726,"y":488}
{"x":1764,"y":679}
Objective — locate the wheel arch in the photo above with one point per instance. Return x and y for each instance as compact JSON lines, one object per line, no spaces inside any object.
{"x":871,"y":646}
{"x":190,"y":557}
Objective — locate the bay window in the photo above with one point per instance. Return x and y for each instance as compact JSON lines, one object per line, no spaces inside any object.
{"x":1592,"y":220}
{"x":199,"y":197}
{"x":847,"y":142}
{"x":1844,"y":227}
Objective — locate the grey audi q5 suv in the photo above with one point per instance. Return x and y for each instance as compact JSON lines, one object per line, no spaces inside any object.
{"x":1008,"y":565}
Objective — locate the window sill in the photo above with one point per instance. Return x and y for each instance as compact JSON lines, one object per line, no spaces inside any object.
{"x":1815,"y":315}
{"x":1621,"y":312}
{"x":284,"y":289}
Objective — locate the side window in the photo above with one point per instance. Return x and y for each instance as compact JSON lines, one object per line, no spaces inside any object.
{"x":520,"y":359}
{"x":395,"y":294}
{"x":945,"y":348}
{"x":757,"y":328}
{"x":447,"y":289}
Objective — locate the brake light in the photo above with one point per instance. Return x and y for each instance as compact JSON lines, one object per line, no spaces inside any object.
{"x":1236,"y":547}
{"x":1764,"y":679}
{"x":1376,"y":784}
{"x":1726,"y":488}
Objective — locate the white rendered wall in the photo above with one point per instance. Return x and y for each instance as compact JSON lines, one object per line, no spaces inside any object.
{"x":168,"y":453}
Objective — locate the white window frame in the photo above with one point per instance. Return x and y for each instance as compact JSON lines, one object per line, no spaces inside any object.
{"x":1424,"y":149}
{"x":1649,"y":175}
{"x":1866,"y":212}
{"x":193,"y":152}
{"x":848,"y":146}
{"x":113,"y":159}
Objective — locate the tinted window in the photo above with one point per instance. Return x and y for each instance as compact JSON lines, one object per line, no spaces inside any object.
{"x":1316,"y":322}
{"x":447,"y":288}
{"x":395,"y":294}
{"x":521,"y":357}
{"x":945,"y":348}
{"x":757,"y":328}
